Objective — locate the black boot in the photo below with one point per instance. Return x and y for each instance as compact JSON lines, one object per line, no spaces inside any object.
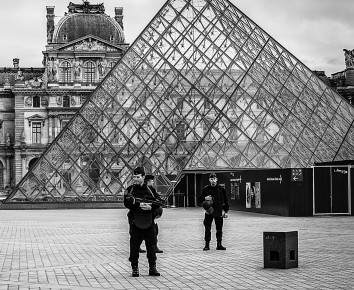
{"x":206,"y":247}
{"x":157,"y":250}
{"x":152,"y":269}
{"x":219,"y":246}
{"x":135,"y":270}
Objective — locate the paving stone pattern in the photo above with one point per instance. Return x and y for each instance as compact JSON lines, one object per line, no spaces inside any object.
{"x":88,"y":249}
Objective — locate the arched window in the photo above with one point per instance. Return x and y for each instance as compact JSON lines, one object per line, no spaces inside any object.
{"x":66,"y":101}
{"x":89,"y":72}
{"x":65,"y":72}
{"x":36,"y":102}
{"x":31,"y":163}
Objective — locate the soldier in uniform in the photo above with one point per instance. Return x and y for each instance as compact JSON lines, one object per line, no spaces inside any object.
{"x":214,"y":200}
{"x":139,"y":200}
{"x":149,"y":180}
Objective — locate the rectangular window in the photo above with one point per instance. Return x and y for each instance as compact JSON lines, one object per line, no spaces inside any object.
{"x":36,"y":132}
{"x":90,"y":72}
{"x":65,"y":76}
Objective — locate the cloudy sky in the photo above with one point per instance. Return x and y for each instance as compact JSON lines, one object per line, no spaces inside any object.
{"x":315,"y":31}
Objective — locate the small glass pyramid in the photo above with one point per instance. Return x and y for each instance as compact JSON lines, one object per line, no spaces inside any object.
{"x":202,"y":87}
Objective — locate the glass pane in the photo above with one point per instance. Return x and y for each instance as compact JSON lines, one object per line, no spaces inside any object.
{"x":202,"y":87}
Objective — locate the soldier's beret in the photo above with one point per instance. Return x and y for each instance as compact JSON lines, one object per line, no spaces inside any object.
{"x":149,"y":177}
{"x":139,"y":170}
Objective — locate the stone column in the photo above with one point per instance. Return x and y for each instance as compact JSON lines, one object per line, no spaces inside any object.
{"x":24,"y":169}
{"x":4,"y":173}
{"x":50,"y":129}
{"x":57,"y":126}
{"x":8,"y":171}
{"x":18,"y":167}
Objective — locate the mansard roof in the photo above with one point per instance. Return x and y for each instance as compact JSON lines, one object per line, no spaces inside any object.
{"x":76,"y":25}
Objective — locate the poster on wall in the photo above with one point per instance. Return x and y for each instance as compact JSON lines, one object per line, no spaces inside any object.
{"x":253,"y":195}
{"x":235,"y":192}
{"x":248,"y":194}
{"x":257,"y":193}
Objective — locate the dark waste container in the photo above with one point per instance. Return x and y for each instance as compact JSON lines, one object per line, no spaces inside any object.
{"x":280,"y":249}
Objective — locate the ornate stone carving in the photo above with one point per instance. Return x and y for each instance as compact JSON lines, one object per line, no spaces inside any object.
{"x":20,"y":76}
{"x":89,"y":44}
{"x":52,"y":69}
{"x":34,"y":83}
{"x":77,"y":69}
{"x":44,"y":101}
{"x":82,"y":99}
{"x":102,"y":64}
{"x":349,"y":57}
{"x":36,"y":117}
{"x":22,"y":136}
{"x":59,"y":100}
{"x":86,"y":7}
{"x":8,"y":139}
{"x":7,"y":81}
{"x":28,"y":101}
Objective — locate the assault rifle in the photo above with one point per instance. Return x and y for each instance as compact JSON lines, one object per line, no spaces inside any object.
{"x":150,"y":199}
{"x":146,"y":199}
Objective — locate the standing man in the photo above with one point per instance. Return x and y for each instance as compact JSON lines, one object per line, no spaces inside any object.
{"x":149,"y":180}
{"x":214,"y":200}
{"x":142,"y":225}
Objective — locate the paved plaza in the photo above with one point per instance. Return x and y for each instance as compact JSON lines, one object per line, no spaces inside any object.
{"x":88,"y":249}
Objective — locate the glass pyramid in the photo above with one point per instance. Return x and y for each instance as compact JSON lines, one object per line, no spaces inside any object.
{"x":202,"y":87}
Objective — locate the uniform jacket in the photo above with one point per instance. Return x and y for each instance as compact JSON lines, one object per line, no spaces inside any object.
{"x":138,"y":191}
{"x":220,"y":202}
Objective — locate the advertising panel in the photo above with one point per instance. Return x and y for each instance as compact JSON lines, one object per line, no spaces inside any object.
{"x":253,"y":195}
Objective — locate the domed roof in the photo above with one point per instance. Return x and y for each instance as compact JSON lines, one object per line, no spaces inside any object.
{"x":76,"y":25}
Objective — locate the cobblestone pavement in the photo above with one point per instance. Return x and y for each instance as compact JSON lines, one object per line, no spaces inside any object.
{"x":88,"y":249}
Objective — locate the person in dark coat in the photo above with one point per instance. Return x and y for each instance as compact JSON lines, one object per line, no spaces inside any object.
{"x":142,"y":226}
{"x":149,"y":180}
{"x":216,"y":205}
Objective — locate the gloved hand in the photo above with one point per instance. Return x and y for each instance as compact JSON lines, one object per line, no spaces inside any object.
{"x":145,"y":206}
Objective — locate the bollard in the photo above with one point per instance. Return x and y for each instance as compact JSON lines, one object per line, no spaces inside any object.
{"x":280,"y":249}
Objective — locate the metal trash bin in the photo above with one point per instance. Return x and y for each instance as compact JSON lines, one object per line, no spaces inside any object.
{"x":280,"y":249}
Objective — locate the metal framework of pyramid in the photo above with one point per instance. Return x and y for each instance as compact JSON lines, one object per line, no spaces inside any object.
{"x":202,"y":87}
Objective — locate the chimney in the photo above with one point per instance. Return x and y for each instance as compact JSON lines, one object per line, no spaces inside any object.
{"x":119,"y":16}
{"x":16,"y":62}
{"x":50,"y":23}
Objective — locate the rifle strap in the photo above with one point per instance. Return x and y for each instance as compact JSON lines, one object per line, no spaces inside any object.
{"x":131,"y":193}
{"x":150,"y":192}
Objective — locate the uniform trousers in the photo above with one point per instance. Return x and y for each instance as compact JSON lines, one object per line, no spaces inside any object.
{"x":136,"y":237}
{"x":156,"y":232}
{"x":208,"y":220}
